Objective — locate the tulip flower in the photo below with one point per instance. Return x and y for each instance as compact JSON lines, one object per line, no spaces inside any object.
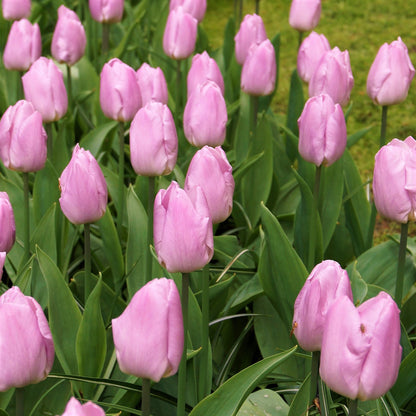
{"x":180,"y":33}
{"x":68,"y":40}
{"x":7,"y":223}
{"x":310,"y":53}
{"x":304,"y":14}
{"x":322,"y":131}
{"x":44,"y":87}
{"x":15,"y":9}
{"x":22,"y":138}
{"x":251,"y":32}
{"x":205,"y":116}
{"x":75,"y":408}
{"x":119,"y":92}
{"x":26,"y":341}
{"x":152,"y":84}
{"x":361,"y":350}
{"x":106,"y":11}
{"x":326,"y":283}
{"x":258,"y":76}
{"x":23,"y":47}
{"x":83,"y":188}
{"x":333,"y":76}
{"x":196,"y":8}
{"x":210,"y":169}
{"x":182,"y":229}
{"x":148,"y":335}
{"x":153,"y":140}
{"x":390,"y":74}
{"x":203,"y":69}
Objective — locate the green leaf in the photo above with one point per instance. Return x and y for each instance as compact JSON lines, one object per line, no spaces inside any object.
{"x":94,"y":140}
{"x":299,"y":405}
{"x":264,"y":403}
{"x":405,"y":387}
{"x":358,"y":285}
{"x":44,"y":234}
{"x":243,"y":134}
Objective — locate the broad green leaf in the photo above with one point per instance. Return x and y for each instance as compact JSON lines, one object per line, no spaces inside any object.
{"x":300,"y":405}
{"x":44,"y":235}
{"x":358,"y":285}
{"x":243,"y":135}
{"x":264,"y":403}
{"x":405,"y":387}
{"x":353,"y":138}
{"x":95,"y":139}
{"x":228,"y":44}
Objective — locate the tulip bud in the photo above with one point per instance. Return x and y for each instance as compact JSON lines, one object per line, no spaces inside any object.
{"x":68,"y":41}
{"x":203,"y":69}
{"x":361,"y":350}
{"x":210,"y":169}
{"x":153,"y":140}
{"x":182,"y":229}
{"x":205,"y":116}
{"x":148,"y":335}
{"x":333,"y":76}
{"x":22,"y":138}
{"x":196,"y":8}
{"x":393,"y":180}
{"x":304,"y":14}
{"x":7,"y":223}
{"x":44,"y":87}
{"x":310,"y":53}
{"x":83,"y":188}
{"x":119,"y":92}
{"x":106,"y":11}
{"x":180,"y":33}
{"x":23,"y":47}
{"x":27,"y":348}
{"x":258,"y":76}
{"x":2,"y":260}
{"x":152,"y":84}
{"x":251,"y":31}
{"x":15,"y":9}
{"x":322,"y":131}
{"x":75,"y":408}
{"x":390,"y":74}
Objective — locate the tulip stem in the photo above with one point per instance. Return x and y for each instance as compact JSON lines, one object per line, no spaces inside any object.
{"x":353,"y":407}
{"x":121,"y":176}
{"x":150,"y":208}
{"x":49,"y":133}
{"x":205,"y":334}
{"x":178,"y":91}
{"x":383,"y":130}
{"x":26,"y":238}
{"x":318,"y":174}
{"x":182,"y":366}
{"x":19,"y":89}
{"x":254,"y":107}
{"x":313,"y":391}
{"x":106,"y":38}
{"x":257,"y":6}
{"x":20,"y":401}
{"x":69,"y":84}
{"x":146,"y":397}
{"x":401,"y":264}
{"x":300,"y":39}
{"x":87,"y":262}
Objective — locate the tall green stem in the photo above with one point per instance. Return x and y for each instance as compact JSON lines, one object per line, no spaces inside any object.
{"x":49,"y":133}
{"x":203,"y":388}
{"x":401,"y":264}
{"x":353,"y":407}
{"x":26,"y":237}
{"x":254,"y":108}
{"x":87,"y":262}
{"x":19,"y":87}
{"x":257,"y":6}
{"x":146,"y":397}
{"x":318,"y":174}
{"x":121,"y":177}
{"x":150,"y":203}
{"x":69,"y":85}
{"x":20,"y":401}
{"x":313,"y":391}
{"x":383,"y":129}
{"x":106,"y":38}
{"x":300,"y":39}
{"x":178,"y":91}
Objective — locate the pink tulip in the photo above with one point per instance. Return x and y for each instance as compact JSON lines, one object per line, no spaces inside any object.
{"x":23,"y":47}
{"x":153,"y":140}
{"x":322,"y":131}
{"x":205,"y":116}
{"x":152,"y":84}
{"x":324,"y":286}
{"x":182,"y":229}
{"x":394,"y":178}
{"x":210,"y":169}
{"x":361,"y":350}
{"x":83,"y":188}
{"x":180,"y":33}
{"x":333,"y":76}
{"x":15,"y":9}
{"x":304,"y":14}
{"x":310,"y":53}
{"x":7,"y":223}
{"x":258,"y":76}
{"x":2,"y":261}
{"x":196,"y":8}
{"x":203,"y":69}
{"x":75,"y":408}
{"x":106,"y":11}
{"x":251,"y":32}
{"x":44,"y":87}
{"x":26,"y":341}
{"x":390,"y":74}
{"x":69,"y":40}
{"x":148,"y":335}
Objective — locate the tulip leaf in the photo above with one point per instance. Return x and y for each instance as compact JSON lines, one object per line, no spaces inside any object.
{"x":243,"y":136}
{"x":405,"y":387}
{"x":94,"y":140}
{"x":299,"y":405}
{"x":264,"y":403}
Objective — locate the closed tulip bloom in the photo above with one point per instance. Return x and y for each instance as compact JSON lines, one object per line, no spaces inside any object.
{"x":15,"y":9}
{"x":203,"y":69}
{"x":310,"y":53}
{"x":324,"y":286}
{"x":210,"y":169}
{"x":153,"y":140}
{"x":304,"y":14}
{"x":75,"y":408}
{"x":180,"y":33}
{"x":196,"y":8}
{"x":22,"y":138}
{"x":333,"y":76}
{"x":44,"y":87}
{"x":83,"y":188}
{"x":322,"y":131}
{"x":390,"y":75}
{"x":182,"y":229}
{"x":205,"y":116}
{"x":251,"y":32}
{"x":152,"y":84}
{"x":148,"y":335}
{"x":68,"y":40}
{"x":106,"y":11}
{"x":7,"y":223}
{"x":119,"y":91}
{"x":361,"y":350}
{"x":258,"y":76}
{"x":394,"y":180}
{"x":23,"y":47}
{"x":25,"y":339}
